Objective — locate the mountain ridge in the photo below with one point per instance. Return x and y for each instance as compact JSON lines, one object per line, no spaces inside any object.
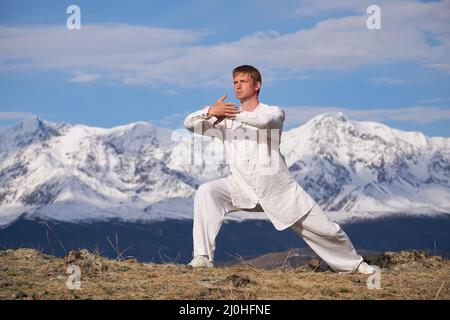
{"x":353,"y":169}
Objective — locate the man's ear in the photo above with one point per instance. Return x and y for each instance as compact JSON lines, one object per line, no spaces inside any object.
{"x":258,"y":85}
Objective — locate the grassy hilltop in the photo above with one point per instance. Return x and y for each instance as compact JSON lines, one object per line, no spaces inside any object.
{"x":30,"y":274}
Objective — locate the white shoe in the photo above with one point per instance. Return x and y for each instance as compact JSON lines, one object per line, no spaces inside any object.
{"x":364,"y":268}
{"x":201,"y":262}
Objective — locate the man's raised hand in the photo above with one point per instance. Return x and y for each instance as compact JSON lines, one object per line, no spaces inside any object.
{"x":222,"y":109}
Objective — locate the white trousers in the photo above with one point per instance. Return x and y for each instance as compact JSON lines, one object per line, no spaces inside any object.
{"x":326,"y":238}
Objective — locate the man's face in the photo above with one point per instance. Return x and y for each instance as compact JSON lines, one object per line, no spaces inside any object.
{"x":245,"y":87}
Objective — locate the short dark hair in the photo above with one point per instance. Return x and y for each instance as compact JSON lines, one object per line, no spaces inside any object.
{"x":252,"y":71}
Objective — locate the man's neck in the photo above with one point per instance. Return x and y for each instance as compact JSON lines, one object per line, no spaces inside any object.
{"x":250,"y":104}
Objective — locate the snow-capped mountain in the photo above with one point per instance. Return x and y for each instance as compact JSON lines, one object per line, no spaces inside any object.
{"x":368,"y":168}
{"x":73,"y":172}
{"x":353,"y":169}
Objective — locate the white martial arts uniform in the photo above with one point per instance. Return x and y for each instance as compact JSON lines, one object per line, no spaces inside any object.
{"x":260,"y":181}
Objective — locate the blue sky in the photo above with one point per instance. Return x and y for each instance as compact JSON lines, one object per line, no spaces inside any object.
{"x":157,"y":61}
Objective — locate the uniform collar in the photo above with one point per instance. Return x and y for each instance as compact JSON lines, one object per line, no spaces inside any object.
{"x":259,"y":106}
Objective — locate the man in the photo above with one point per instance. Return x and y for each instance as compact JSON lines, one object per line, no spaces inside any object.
{"x":260,"y":180}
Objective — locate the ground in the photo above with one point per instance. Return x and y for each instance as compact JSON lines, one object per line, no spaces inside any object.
{"x":30,"y":274}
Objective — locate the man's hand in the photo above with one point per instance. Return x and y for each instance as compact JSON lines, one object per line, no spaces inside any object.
{"x":219,"y":120}
{"x":221,"y":109}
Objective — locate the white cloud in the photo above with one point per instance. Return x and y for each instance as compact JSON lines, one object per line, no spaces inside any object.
{"x":445,"y":67}
{"x":170,"y":119}
{"x":434,"y":100}
{"x":112,"y":48}
{"x":12,"y":115}
{"x":84,"y":77}
{"x":386,"y":81}
{"x":157,"y":56}
{"x":419,"y":115}
{"x":9,"y":118}
{"x":171,"y":92}
{"x":316,"y":7}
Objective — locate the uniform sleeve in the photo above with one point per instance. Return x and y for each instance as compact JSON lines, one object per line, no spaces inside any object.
{"x":202,"y":123}
{"x":271,"y":119}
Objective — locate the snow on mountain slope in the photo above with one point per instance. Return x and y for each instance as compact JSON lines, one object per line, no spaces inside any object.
{"x":43,"y":164}
{"x":353,"y":169}
{"x":363,"y":167}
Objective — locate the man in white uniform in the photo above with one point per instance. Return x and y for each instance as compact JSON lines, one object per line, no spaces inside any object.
{"x":259,"y":180}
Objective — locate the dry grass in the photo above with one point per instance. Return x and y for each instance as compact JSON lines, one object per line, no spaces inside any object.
{"x":29,"y":274}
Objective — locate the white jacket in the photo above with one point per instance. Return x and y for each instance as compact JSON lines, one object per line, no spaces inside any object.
{"x":258,"y":170}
